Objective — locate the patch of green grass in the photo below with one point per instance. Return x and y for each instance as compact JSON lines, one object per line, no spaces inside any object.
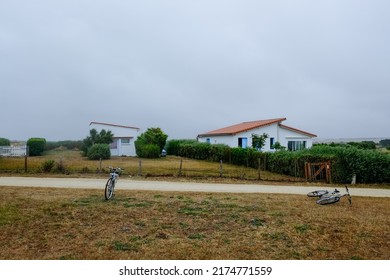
{"x":124,"y":246}
{"x":193,"y":211}
{"x":277,"y":236}
{"x":138,"y":205}
{"x":9,"y":215}
{"x":302,"y":228}
{"x":197,"y":236}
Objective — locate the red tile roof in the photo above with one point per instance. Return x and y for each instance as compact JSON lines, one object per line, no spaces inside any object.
{"x":241,"y":127}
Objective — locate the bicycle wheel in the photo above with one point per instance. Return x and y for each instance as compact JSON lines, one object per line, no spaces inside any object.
{"x":108,"y":192}
{"x":317,"y":193}
{"x":328,"y":200}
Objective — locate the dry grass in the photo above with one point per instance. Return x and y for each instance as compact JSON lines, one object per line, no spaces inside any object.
{"x":169,"y":166}
{"x":80,"y":224}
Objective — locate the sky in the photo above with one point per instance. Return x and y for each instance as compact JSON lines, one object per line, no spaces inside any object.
{"x":191,"y":66}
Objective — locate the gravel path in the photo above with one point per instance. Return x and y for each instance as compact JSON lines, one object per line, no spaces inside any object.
{"x":127,"y":184}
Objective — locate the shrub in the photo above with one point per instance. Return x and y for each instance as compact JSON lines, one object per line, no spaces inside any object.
{"x":36,"y":146}
{"x":147,"y":150}
{"x":5,"y":142}
{"x":99,"y":151}
{"x":173,"y":146}
{"x":48,"y":165}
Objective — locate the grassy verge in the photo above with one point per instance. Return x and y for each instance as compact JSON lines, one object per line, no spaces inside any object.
{"x":79,"y":224}
{"x":71,"y":163}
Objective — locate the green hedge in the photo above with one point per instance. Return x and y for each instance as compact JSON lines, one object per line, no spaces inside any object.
{"x":147,"y":150}
{"x":205,"y":151}
{"x":36,"y":146}
{"x":370,"y":166}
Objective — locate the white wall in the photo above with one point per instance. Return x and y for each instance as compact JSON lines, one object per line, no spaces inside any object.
{"x":290,"y":135}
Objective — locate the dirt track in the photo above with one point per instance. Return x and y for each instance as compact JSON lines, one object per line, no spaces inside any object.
{"x":127,"y":184}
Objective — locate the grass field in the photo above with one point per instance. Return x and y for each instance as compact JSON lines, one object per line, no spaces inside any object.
{"x":80,"y":224}
{"x":72,"y":163}
{"x":37,"y":223}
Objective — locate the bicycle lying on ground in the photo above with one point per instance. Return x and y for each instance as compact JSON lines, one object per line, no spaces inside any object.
{"x":110,"y":185}
{"x":324,"y":197}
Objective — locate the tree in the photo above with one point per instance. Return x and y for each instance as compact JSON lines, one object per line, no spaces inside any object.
{"x":103,"y":137}
{"x":150,"y":143}
{"x":258,"y":141}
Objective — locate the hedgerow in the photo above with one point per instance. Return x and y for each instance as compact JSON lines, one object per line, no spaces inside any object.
{"x":369,"y":166}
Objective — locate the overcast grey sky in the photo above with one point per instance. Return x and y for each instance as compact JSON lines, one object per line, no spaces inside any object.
{"x":193,"y":66}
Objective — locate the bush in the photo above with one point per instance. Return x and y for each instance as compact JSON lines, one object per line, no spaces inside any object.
{"x":99,"y":151}
{"x":173,"y":146}
{"x":48,"y":165}
{"x":5,"y":142}
{"x":36,"y":146}
{"x":147,"y":150}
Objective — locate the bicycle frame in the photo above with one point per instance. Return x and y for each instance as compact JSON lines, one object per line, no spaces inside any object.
{"x":330,"y":198}
{"x":110,"y":185}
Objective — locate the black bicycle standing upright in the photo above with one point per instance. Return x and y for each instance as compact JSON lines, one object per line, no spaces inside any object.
{"x":110,"y":185}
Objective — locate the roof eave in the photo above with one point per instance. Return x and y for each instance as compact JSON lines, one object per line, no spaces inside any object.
{"x":298,"y":130}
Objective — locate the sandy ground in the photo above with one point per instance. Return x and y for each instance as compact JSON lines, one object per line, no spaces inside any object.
{"x":131,"y":184}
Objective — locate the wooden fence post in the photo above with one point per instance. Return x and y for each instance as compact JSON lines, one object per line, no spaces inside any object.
{"x":180,"y":167}
{"x":140,"y":168}
{"x":220,"y":168}
{"x":25,"y":163}
{"x":25,"y":158}
{"x":259,"y":168}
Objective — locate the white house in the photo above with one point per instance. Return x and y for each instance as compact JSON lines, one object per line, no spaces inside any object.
{"x":124,"y":137}
{"x":240,"y":135}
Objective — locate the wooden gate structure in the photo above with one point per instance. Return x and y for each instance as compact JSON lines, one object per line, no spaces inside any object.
{"x":318,"y":171}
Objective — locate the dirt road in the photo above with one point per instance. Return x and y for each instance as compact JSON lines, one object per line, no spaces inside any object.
{"x":131,"y":184}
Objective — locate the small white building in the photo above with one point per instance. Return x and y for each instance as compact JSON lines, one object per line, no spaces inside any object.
{"x":124,"y":137}
{"x":240,"y":135}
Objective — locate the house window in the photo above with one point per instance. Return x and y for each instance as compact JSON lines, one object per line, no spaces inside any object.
{"x":114,"y":144}
{"x":296,"y":145}
{"x":208,"y":140}
{"x":243,"y":142}
{"x":125,"y":140}
{"x":271,"y":142}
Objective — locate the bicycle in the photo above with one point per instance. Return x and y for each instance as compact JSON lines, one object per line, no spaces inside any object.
{"x":324,"y":197}
{"x":110,"y":185}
